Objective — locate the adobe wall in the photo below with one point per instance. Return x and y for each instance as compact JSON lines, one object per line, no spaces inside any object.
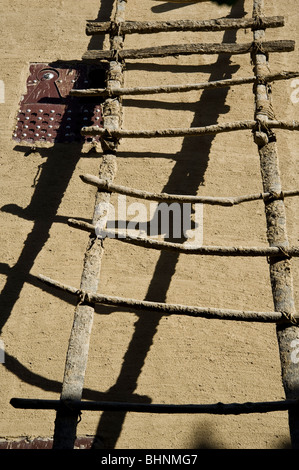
{"x":141,"y":356}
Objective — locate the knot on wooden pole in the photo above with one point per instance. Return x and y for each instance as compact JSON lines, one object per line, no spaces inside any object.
{"x":261,"y":131}
{"x":84,"y":297}
{"x":283,"y":254}
{"x":116,"y":28}
{"x":257,"y":48}
{"x":272,"y":196}
{"x":290,"y":318}
{"x":115,"y":55}
{"x":261,"y":80}
{"x":265,"y":108}
{"x":108,"y":141}
{"x":68,"y":407}
{"x":259,"y":23}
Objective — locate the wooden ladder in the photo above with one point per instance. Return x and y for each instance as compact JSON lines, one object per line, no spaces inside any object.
{"x":70,"y":405}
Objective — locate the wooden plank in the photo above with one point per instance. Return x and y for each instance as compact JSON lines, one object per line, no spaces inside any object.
{"x":189,"y":49}
{"x":150,"y":27}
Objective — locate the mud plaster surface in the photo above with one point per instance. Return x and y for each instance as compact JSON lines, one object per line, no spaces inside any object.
{"x":142,"y":357}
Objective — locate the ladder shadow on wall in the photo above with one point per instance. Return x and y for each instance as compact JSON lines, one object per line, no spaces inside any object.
{"x":43,"y":211}
{"x":187,"y":175}
{"x":58,"y":163}
{"x":49,"y":187}
{"x":166,"y":6}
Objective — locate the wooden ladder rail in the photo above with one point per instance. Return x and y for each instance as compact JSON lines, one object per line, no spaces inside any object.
{"x":280,"y":269}
{"x":77,"y":354}
{"x":279,"y":253}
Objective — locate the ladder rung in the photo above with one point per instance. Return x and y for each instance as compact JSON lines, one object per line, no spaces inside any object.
{"x":222,"y":201}
{"x":190,"y":131}
{"x":187,"y":49}
{"x":215,"y":408}
{"x":147,"y":27}
{"x":186,"y":248}
{"x":181,"y":88}
{"x":170,"y":309}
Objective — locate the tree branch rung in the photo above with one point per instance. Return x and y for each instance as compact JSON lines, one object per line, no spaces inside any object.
{"x":105,"y":185}
{"x":167,"y":309}
{"x":148,"y":27}
{"x":214,"y":408}
{"x":150,"y":90}
{"x":188,"y":248}
{"x":190,"y":131}
{"x":283,"y":45}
